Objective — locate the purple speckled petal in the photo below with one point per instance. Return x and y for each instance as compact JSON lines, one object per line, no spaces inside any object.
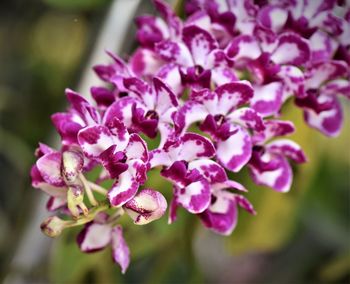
{"x":195,"y":197}
{"x":189,"y":113}
{"x":244,"y":203}
{"x":147,"y":206}
{"x":49,"y":167}
{"x":293,"y":79}
{"x":95,"y":139}
{"x":165,"y":98}
{"x":209,"y":169}
{"x":113,"y":161}
{"x":137,"y":86}
{"x":67,"y":126}
{"x":172,"y":51}
{"x":86,"y":111}
{"x":145,"y":62}
{"x":120,"y":249}
{"x":279,"y":179}
{"x":94,"y":237}
{"x":121,"y":109}
{"x":194,"y":146}
{"x":150,"y":30}
{"x":233,"y":95}
{"x":321,"y":72}
{"x":55,"y":203}
{"x":328,"y":121}
{"x":287,"y":148}
{"x":103,"y":96}
{"x":274,"y":128}
{"x":123,"y":190}
{"x":291,"y":49}
{"x":267,"y":99}
{"x":272,"y":17}
{"x":248,"y":118}
{"x":137,"y":148}
{"x":170,"y":74}
{"x":199,"y":42}
{"x":221,"y":216}
{"x":168,"y":14}
{"x":234,"y":152}
{"x":243,"y":47}
{"x":322,"y":46}
{"x":42,"y":150}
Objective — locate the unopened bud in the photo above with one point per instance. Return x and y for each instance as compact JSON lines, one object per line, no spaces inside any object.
{"x":53,"y":226}
{"x":72,"y":164}
{"x":146,"y":206}
{"x":75,"y":200}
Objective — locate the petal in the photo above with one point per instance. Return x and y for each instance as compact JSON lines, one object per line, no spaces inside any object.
{"x":49,"y":167}
{"x":137,"y":148}
{"x":233,"y":95}
{"x":273,"y":17}
{"x":267,"y":99}
{"x":222,"y":75}
{"x":113,"y":161}
{"x":95,"y":139}
{"x":236,"y":151}
{"x":150,"y":30}
{"x":94,"y":237}
{"x":170,"y":75}
{"x":209,"y":169}
{"x":103,"y":96}
{"x":55,"y":203}
{"x":123,"y":190}
{"x":291,"y":49}
{"x":189,"y":113}
{"x":322,"y":46}
{"x":245,"y":204}
{"x":121,"y":109}
{"x":279,"y":179}
{"x":195,"y":197}
{"x":329,"y":121}
{"x":168,"y":14}
{"x":293,"y":79}
{"x":86,"y":111}
{"x":287,"y":148}
{"x":145,"y":62}
{"x":199,"y":42}
{"x":172,"y":211}
{"x":172,"y":51}
{"x":147,"y":206}
{"x":248,"y":118}
{"x":120,"y":249}
{"x":194,"y":146}
{"x":243,"y":47}
{"x":221,"y":216}
{"x":165,"y":97}
{"x":321,"y":72}
{"x":67,"y":126}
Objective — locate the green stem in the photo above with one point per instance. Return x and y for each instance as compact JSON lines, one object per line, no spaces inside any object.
{"x":88,"y":191}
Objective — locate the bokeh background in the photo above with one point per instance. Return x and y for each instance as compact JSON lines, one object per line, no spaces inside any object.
{"x":299,"y":237}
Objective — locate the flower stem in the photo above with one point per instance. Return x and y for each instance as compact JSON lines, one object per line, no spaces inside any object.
{"x":97,"y":188}
{"x":88,"y":191}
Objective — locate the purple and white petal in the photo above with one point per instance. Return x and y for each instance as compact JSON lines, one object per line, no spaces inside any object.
{"x":49,"y":167}
{"x":329,"y":121}
{"x":55,"y":203}
{"x":209,"y":169}
{"x":221,"y":216}
{"x":95,"y":139}
{"x":194,"y":146}
{"x":279,"y":179}
{"x":67,"y":126}
{"x":189,"y":113}
{"x":170,"y":74}
{"x":291,"y":49}
{"x":235,"y":152}
{"x":267,"y":99}
{"x":195,"y":197}
{"x":137,"y":148}
{"x":273,"y":17}
{"x":120,"y":249}
{"x":293,"y":79}
{"x":199,"y":42}
{"x":121,"y":109}
{"x":243,"y":47}
{"x":94,"y":237}
{"x":244,"y":203}
{"x":72,"y":165}
{"x":177,"y":52}
{"x":233,"y":95}
{"x":150,"y":30}
{"x":145,"y":62}
{"x":248,"y":118}
{"x":287,"y":148}
{"x":147,"y":206}
{"x":322,"y":46}
{"x":123,"y":190}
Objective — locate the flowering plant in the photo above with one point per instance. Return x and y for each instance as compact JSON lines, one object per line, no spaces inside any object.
{"x":211,"y":90}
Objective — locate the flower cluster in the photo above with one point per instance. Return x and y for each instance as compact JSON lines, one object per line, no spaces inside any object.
{"x":210,"y":89}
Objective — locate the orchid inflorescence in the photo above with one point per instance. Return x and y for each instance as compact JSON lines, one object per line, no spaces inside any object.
{"x":210,"y":89}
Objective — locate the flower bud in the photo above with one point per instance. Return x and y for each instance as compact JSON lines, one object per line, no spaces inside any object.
{"x":146,"y":206}
{"x":75,"y":200}
{"x":53,"y":226}
{"x":72,"y":163}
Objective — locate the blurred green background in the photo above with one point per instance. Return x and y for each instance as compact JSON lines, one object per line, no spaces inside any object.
{"x":299,"y":237}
